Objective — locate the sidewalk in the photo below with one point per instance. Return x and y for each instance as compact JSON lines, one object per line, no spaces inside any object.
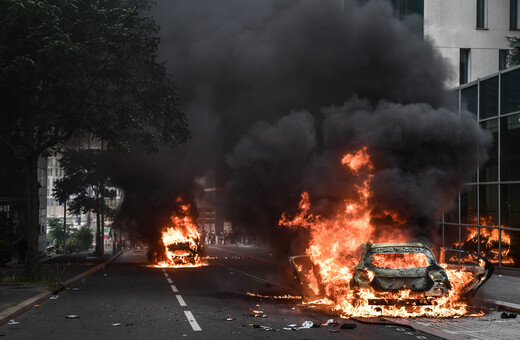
{"x":18,"y":297}
{"x":502,"y":290}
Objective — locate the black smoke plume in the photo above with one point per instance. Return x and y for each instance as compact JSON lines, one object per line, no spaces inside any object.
{"x":276,"y":91}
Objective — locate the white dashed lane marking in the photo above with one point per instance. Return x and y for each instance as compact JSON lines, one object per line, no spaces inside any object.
{"x":192,"y":320}
{"x":181,"y":301}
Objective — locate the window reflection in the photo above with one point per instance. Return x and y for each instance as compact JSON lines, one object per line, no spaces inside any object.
{"x":469,"y":97}
{"x":468,"y":205}
{"x":488,"y":200}
{"x":510,"y":204}
{"x":510,"y":88}
{"x":488,"y":98}
{"x":489,"y":172}
{"x":510,"y":148}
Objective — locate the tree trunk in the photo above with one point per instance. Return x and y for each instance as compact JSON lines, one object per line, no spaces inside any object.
{"x":64,"y":225}
{"x":102,"y":236}
{"x":98,"y":239}
{"x":32,"y":222}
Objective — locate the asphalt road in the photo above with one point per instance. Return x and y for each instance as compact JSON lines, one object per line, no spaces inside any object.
{"x":130,"y":300}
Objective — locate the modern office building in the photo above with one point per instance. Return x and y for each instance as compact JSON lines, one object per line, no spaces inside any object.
{"x":471,"y":35}
{"x":486,"y":215}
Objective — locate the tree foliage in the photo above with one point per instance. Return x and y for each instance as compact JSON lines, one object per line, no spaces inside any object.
{"x":86,"y":186}
{"x":513,"y":57}
{"x":86,"y":183}
{"x":81,"y":66}
{"x":56,"y":232}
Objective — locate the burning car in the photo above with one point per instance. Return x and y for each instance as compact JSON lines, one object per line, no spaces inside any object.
{"x":180,"y":244}
{"x":184,"y":251}
{"x":393,"y":267}
{"x":400,"y":274}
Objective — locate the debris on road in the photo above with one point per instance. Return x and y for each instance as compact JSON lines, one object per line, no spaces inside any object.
{"x":258,"y":313}
{"x":12,"y":322}
{"x":55,"y":297}
{"x":506,"y":315}
{"x":230,"y":319}
{"x":72,"y":316}
{"x":307,"y":324}
{"x":116,"y":324}
{"x":348,"y":326}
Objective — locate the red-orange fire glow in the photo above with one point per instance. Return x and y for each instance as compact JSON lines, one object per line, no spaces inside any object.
{"x":489,"y":238}
{"x":400,"y":260}
{"x":334,"y":248}
{"x":181,"y":241}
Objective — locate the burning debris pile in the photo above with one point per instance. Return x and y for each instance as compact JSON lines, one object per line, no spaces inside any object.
{"x":394,"y":278}
{"x":181,"y":242}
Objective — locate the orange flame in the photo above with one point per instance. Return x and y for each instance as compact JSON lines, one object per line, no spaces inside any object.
{"x":490,"y":239}
{"x":335,"y":245}
{"x":181,"y":240}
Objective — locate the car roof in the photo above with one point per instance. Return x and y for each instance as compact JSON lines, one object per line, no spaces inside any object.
{"x":407,"y":244}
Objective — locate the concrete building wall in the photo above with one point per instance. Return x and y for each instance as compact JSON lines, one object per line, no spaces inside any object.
{"x":452,"y":24}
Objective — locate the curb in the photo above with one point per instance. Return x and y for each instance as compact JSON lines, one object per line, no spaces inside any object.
{"x":447,"y":334}
{"x":19,"y":309}
{"x":512,"y":307}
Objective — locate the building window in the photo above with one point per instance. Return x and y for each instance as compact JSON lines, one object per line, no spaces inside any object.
{"x":481,"y":13}
{"x":464,"y":65}
{"x":502,"y":59}
{"x":513,"y":14}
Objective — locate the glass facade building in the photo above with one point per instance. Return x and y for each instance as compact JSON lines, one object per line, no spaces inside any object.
{"x":486,"y":215}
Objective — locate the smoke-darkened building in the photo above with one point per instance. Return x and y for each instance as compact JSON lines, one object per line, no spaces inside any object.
{"x":13,"y":205}
{"x":486,"y":216}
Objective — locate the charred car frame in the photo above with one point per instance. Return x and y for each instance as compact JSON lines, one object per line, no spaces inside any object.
{"x":387,"y":268}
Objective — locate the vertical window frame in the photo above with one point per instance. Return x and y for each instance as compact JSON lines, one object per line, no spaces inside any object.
{"x":481,"y":18}
{"x":514,"y":13}
{"x":502,"y":59}
{"x":464,"y":65}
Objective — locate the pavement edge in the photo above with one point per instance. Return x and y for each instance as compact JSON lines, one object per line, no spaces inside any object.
{"x":14,"y":311}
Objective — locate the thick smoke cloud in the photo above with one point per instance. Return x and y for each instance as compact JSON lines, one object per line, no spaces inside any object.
{"x":275,"y":91}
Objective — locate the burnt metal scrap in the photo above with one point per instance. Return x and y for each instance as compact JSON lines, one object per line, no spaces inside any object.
{"x":478,"y":265}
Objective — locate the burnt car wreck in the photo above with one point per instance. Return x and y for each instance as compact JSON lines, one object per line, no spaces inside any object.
{"x":386,"y":269}
{"x":393,"y":267}
{"x":185,"y":252}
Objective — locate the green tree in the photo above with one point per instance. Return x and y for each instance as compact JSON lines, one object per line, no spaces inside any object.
{"x":86,"y":178}
{"x":513,"y":57}
{"x":56,"y":233}
{"x":84,"y":237}
{"x":80,"y":66}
